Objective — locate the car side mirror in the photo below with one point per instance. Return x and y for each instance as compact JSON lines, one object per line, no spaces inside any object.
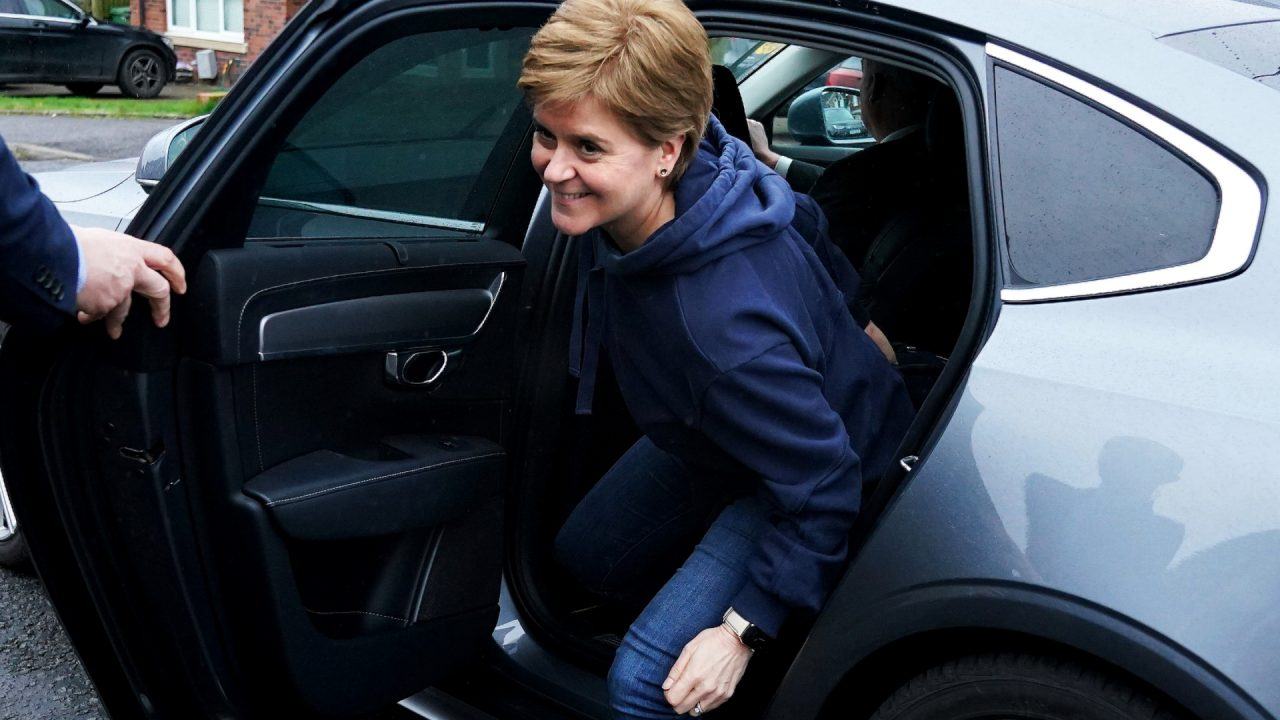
{"x":163,"y":149}
{"x":826,"y":116}
{"x":85,"y":21}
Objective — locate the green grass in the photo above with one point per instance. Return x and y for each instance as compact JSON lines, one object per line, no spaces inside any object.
{"x":104,"y":107}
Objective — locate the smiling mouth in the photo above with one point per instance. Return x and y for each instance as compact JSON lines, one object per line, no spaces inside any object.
{"x":571,"y":196}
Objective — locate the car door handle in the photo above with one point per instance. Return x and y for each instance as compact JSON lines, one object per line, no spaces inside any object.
{"x":419,"y":368}
{"x":908,"y":463}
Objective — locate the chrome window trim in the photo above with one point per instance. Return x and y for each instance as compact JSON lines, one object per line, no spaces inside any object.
{"x":1239,"y":210}
{"x":371,"y":214}
{"x":41,"y":18}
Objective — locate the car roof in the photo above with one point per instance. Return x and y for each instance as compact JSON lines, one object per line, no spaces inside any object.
{"x":1154,"y":18}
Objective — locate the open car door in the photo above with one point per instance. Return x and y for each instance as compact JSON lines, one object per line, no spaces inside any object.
{"x":289,"y":503}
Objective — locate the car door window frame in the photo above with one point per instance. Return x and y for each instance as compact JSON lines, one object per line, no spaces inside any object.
{"x":275,"y":113}
{"x":76,"y":14}
{"x":1239,"y":204}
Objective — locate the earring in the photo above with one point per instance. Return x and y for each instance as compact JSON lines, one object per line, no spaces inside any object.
{"x":663,"y":172}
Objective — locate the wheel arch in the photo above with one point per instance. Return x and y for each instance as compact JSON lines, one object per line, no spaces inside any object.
{"x":846,"y":669}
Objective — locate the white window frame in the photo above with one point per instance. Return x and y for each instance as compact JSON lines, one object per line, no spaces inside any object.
{"x":191,"y":31}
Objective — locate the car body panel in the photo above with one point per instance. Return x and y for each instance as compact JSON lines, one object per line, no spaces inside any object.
{"x":1111,"y":453}
{"x":101,"y":194}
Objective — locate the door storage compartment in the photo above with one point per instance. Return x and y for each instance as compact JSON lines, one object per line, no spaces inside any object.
{"x":401,"y":484}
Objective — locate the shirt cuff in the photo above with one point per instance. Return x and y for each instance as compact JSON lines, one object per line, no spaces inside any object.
{"x":760,"y":608}
{"x":784,"y":164}
{"x":82,"y":273}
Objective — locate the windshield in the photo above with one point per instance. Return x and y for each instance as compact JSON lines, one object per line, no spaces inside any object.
{"x":742,"y":55}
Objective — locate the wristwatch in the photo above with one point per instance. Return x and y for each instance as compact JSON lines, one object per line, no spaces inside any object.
{"x":750,"y":635}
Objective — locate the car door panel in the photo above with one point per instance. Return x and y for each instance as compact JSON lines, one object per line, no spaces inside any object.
{"x":304,"y":300}
{"x":272,"y":515}
{"x":366,"y":511}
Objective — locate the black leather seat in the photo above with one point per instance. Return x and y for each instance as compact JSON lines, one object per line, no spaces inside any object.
{"x":900,"y":212}
{"x":726,"y":103}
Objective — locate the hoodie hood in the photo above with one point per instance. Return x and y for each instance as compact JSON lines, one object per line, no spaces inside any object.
{"x":725,"y":202}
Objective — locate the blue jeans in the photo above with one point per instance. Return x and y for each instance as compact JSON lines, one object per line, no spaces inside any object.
{"x":622,"y":542}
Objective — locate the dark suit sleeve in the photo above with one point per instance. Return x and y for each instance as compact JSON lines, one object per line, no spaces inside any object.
{"x":802,"y":176}
{"x":38,"y":255}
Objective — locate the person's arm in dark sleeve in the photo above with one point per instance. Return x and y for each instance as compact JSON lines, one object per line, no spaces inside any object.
{"x":771,"y":415}
{"x":39,"y":258}
{"x":802,"y":176}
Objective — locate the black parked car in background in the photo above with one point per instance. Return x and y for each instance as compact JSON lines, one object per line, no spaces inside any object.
{"x":53,"y":41}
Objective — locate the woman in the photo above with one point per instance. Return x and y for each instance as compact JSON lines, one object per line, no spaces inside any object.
{"x":712,"y":288}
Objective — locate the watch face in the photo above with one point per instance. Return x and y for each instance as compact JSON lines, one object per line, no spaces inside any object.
{"x":754,"y":638}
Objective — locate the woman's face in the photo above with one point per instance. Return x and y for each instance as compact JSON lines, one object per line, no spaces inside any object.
{"x":599,"y":173}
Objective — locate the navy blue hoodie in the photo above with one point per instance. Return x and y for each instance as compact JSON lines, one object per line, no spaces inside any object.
{"x":732,"y":339}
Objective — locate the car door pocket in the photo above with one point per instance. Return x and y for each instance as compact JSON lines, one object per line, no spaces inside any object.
{"x":399,"y":484}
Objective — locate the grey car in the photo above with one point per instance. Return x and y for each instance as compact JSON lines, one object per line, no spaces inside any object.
{"x":329,"y":488}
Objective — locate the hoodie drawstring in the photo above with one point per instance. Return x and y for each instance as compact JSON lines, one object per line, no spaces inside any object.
{"x":584,"y":343}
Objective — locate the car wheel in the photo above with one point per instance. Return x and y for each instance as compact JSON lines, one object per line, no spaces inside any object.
{"x":84,"y":89}
{"x":142,"y":74}
{"x":1019,"y":687}
{"x":13,"y":549}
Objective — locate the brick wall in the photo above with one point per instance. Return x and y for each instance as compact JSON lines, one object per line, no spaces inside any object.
{"x":263,"y":20}
{"x":156,"y":14}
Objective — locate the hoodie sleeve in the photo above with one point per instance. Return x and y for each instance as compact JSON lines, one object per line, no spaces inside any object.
{"x":771,"y":415}
{"x":811,"y":223}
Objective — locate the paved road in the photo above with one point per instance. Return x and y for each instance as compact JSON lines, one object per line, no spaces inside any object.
{"x":98,"y":138}
{"x":40,"y":676}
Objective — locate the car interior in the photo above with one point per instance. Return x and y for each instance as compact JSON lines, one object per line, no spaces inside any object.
{"x":915,"y":265}
{"x":376,"y":334}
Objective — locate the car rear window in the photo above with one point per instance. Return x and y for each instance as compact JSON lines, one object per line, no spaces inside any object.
{"x":1251,"y":50}
{"x":1087,"y":196}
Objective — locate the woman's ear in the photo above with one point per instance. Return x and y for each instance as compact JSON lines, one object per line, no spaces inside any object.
{"x":671,"y":151}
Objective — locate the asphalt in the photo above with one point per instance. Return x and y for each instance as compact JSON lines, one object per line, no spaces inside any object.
{"x":80,"y":139}
{"x":40,"y":675}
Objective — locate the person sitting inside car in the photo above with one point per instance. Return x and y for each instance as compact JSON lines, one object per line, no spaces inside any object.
{"x":859,"y":192}
{"x":763,"y":404}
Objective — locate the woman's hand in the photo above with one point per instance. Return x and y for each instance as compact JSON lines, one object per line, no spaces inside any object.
{"x":707,"y":670}
{"x":882,"y":342}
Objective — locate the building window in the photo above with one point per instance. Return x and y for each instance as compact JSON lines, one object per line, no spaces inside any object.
{"x":213,"y":19}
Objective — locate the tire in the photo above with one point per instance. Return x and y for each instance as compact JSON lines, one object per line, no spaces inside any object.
{"x":1020,"y":687}
{"x":13,"y":549}
{"x":84,"y":89}
{"x":142,"y":74}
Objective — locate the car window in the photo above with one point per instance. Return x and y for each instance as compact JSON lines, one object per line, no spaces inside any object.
{"x":401,"y":141}
{"x":49,"y":9}
{"x":742,"y":55}
{"x":1086,"y":196}
{"x":839,"y":108}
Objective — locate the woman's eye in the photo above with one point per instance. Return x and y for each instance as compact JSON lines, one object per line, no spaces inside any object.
{"x":543,"y":136}
{"x":590,"y":148}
